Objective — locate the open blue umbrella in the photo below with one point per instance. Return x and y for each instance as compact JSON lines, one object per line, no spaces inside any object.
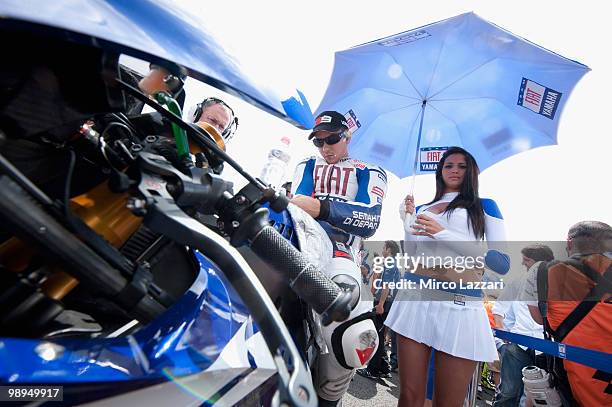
{"x":458,"y":82}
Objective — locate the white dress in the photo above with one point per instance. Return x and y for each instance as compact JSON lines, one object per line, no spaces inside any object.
{"x":459,"y":328}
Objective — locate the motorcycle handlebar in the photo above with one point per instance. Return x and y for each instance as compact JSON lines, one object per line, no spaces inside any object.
{"x":308,"y":282}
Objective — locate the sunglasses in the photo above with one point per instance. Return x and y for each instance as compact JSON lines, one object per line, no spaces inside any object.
{"x":330,"y":140}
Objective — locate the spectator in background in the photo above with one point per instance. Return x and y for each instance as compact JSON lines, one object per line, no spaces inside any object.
{"x":366,"y":273}
{"x":575,"y":297}
{"x":513,"y":316}
{"x":383,"y":297}
{"x":366,"y":269}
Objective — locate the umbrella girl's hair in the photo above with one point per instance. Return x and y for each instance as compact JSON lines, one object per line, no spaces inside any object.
{"x":468,"y":195}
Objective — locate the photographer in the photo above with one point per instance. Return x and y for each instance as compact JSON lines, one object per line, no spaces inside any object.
{"x":383,"y":297}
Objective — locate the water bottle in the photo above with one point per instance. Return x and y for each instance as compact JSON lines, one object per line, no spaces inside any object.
{"x":538,"y":388}
{"x":273,"y":172}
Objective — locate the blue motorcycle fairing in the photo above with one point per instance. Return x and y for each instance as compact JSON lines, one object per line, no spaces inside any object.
{"x":185,"y":340}
{"x":152,"y":30}
{"x":283,"y":223}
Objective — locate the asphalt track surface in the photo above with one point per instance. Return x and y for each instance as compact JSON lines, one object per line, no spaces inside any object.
{"x":383,"y":392}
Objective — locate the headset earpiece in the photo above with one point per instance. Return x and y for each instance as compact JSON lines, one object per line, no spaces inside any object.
{"x":231,"y":129}
{"x":197,"y":113}
{"x":174,"y":83}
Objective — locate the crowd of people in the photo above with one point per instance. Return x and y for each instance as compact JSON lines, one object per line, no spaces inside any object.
{"x":437,"y":341}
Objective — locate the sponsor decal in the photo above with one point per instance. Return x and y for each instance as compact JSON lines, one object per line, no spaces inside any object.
{"x":365,"y":354}
{"x":340,"y":250}
{"x":429,"y":157}
{"x":367,"y":340}
{"x":330,"y":179}
{"x":404,"y":38}
{"x":381,"y":174}
{"x":538,"y":98}
{"x":562,"y":354}
{"x":359,"y":164}
{"x":351,"y":121}
{"x":323,"y":119}
{"x":459,"y":299}
{"x":362,"y":220}
{"x":342,"y":254}
{"x":378,"y":191}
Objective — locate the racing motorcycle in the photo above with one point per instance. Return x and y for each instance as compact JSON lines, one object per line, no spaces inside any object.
{"x":129,"y":274}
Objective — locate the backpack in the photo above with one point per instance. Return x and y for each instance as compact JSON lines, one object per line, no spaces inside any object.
{"x":603,"y":286}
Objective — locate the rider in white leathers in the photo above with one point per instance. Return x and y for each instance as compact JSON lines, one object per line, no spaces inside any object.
{"x":345,"y":196}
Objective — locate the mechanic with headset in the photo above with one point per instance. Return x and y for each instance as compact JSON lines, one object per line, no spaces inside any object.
{"x":218,"y":114}
{"x":212,"y":112}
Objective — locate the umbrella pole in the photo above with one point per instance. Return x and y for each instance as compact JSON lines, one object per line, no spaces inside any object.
{"x":416,"y":152}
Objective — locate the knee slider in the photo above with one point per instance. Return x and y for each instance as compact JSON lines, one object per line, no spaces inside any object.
{"x":355,"y":341}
